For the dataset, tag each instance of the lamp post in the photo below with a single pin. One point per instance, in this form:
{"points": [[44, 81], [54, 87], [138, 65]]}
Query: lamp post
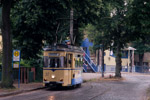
{"points": [[130, 58]]}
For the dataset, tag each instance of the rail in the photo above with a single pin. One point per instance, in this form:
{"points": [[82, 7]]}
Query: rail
{"points": [[89, 61]]}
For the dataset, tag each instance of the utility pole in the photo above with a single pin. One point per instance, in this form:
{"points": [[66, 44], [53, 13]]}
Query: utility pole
{"points": [[71, 27], [102, 59], [98, 58]]}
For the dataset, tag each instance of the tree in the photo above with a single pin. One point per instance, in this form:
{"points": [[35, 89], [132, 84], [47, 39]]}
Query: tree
{"points": [[99, 40], [34, 21], [112, 28], [142, 46], [0, 17], [37, 21], [7, 81], [139, 22]]}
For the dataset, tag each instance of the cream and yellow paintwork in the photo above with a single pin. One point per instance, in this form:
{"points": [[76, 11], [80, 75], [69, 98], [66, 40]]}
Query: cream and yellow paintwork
{"points": [[60, 75], [65, 74], [109, 60]]}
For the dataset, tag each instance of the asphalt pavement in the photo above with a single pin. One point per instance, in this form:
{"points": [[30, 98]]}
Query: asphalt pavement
{"points": [[133, 86], [138, 83], [36, 86]]}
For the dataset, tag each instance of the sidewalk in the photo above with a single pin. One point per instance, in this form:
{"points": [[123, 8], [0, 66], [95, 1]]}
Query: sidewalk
{"points": [[35, 86], [23, 88]]}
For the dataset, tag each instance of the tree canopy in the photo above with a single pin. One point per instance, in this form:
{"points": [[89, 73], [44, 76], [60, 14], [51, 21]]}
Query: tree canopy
{"points": [[36, 22], [139, 22], [113, 30], [0, 18]]}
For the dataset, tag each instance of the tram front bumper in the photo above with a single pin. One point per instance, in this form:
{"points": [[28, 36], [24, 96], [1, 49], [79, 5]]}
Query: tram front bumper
{"points": [[48, 83]]}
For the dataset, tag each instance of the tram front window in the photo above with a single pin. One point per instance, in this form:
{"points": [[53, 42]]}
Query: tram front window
{"points": [[56, 62]]}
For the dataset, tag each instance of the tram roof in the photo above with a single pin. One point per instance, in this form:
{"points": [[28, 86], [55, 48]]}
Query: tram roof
{"points": [[63, 47]]}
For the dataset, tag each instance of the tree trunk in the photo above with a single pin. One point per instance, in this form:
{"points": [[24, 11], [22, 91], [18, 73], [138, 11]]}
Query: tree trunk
{"points": [[103, 60], [7, 81], [118, 61], [141, 56]]}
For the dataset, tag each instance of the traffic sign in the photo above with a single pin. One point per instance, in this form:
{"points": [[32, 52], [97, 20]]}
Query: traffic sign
{"points": [[16, 63], [16, 55]]}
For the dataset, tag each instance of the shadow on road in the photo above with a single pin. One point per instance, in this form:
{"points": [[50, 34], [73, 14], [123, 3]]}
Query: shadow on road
{"points": [[60, 88]]}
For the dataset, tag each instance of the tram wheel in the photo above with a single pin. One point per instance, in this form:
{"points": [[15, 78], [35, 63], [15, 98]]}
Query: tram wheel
{"points": [[79, 85]]}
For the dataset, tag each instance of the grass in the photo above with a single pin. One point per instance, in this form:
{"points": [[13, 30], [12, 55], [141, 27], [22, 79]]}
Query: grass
{"points": [[8, 89], [105, 79], [3, 89], [148, 94]]}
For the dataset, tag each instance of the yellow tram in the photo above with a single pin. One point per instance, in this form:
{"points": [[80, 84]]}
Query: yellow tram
{"points": [[62, 65]]}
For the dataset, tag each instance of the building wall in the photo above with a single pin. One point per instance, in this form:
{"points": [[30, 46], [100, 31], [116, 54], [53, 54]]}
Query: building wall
{"points": [[146, 59], [110, 60]]}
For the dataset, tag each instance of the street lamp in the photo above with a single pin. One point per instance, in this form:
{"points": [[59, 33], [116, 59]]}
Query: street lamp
{"points": [[130, 58]]}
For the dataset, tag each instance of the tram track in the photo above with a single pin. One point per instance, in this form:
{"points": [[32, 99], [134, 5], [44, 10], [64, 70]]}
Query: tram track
{"points": [[95, 86], [87, 89], [87, 92], [100, 94]]}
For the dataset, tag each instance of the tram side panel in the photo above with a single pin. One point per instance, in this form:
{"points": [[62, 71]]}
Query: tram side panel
{"points": [[77, 70], [76, 77]]}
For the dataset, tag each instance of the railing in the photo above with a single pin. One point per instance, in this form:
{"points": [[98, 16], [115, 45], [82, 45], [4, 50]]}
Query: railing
{"points": [[89, 62], [84, 67]]}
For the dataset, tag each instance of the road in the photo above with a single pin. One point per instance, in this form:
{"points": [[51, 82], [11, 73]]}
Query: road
{"points": [[134, 87]]}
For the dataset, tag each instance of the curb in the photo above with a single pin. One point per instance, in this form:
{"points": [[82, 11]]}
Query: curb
{"points": [[30, 90], [20, 92], [25, 91]]}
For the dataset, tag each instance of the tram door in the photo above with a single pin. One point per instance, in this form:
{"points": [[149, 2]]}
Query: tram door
{"points": [[69, 65]]}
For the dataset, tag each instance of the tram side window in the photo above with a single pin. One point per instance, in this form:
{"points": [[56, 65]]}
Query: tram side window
{"points": [[62, 61], [81, 63], [45, 61], [69, 60], [78, 62]]}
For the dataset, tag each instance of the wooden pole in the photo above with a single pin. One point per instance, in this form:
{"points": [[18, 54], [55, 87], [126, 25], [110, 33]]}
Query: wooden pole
{"points": [[71, 26]]}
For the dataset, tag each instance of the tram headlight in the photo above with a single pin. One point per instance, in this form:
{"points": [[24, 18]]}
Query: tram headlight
{"points": [[53, 76]]}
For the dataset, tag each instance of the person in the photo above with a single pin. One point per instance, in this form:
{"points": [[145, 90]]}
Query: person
{"points": [[55, 64]]}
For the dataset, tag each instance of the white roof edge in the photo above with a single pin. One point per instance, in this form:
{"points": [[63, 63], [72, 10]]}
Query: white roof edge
{"points": [[129, 48]]}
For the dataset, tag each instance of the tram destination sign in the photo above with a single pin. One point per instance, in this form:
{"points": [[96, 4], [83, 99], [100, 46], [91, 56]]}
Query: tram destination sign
{"points": [[53, 54], [16, 55]]}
